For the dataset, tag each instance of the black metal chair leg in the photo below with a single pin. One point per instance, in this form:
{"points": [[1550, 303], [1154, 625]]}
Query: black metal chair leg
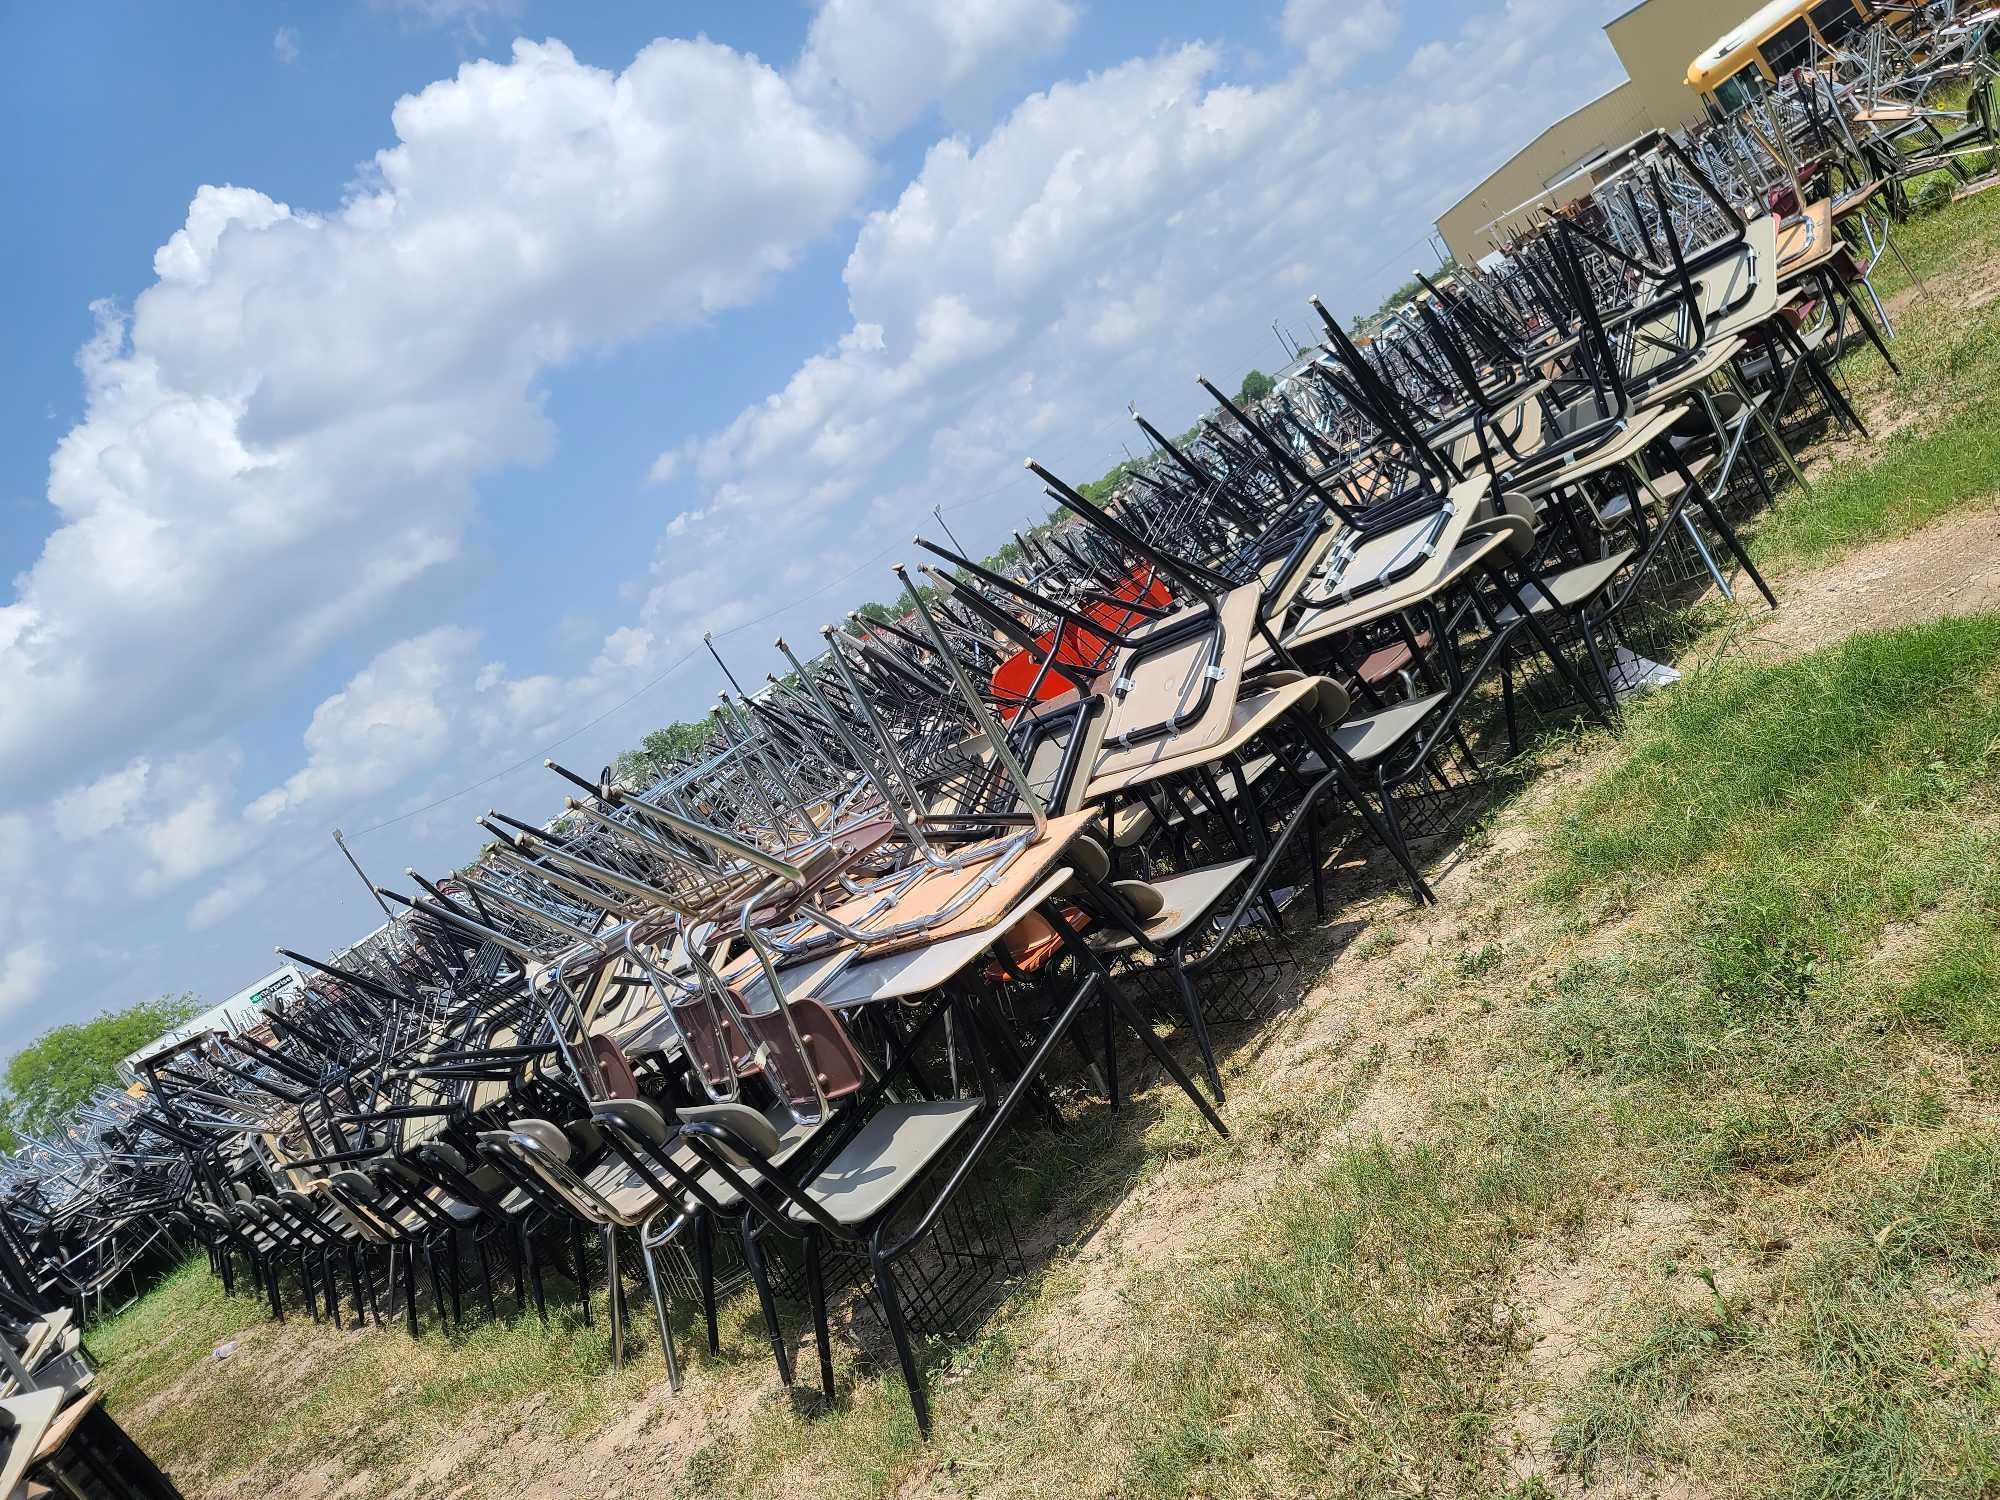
{"points": [[485, 1273], [1197, 1023], [892, 1309], [452, 1263], [1110, 1059], [437, 1282], [409, 1250], [1589, 634], [1735, 546], [1161, 1055], [354, 1253], [536, 1282], [1867, 325], [816, 1290], [753, 1255], [330, 1282], [1819, 377], [704, 1259]]}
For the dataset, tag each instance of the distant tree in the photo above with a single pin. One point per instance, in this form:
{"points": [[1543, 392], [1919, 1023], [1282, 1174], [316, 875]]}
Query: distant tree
{"points": [[1411, 290], [1099, 491], [60, 1069], [879, 614], [1256, 386], [660, 750]]}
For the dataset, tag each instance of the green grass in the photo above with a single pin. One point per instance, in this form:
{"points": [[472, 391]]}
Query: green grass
{"points": [[1322, 1345], [1765, 825], [1956, 987], [1761, 766], [1774, 821], [1352, 1340], [1922, 476], [301, 1395], [1620, 1413], [1848, 1380]]}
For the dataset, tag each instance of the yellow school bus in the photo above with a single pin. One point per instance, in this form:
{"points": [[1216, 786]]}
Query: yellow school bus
{"points": [[1769, 44]]}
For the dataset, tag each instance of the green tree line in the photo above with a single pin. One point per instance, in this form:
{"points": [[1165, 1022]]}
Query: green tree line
{"points": [[62, 1067]]}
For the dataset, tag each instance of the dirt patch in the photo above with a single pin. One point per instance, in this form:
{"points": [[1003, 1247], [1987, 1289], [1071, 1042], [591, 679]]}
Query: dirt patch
{"points": [[1979, 1322], [1947, 292], [1949, 568], [1886, 414], [1572, 1307], [1978, 287]]}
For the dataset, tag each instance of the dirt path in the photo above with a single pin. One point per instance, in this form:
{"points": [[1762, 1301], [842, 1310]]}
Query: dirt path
{"points": [[1949, 568]]}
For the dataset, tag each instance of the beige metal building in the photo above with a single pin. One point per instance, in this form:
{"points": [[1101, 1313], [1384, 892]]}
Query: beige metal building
{"points": [[1655, 40]]}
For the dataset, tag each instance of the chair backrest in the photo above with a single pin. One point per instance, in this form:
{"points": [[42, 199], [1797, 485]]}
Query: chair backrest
{"points": [[614, 1069], [359, 1198], [1518, 530], [797, 1046], [541, 1148], [709, 1038], [449, 1169], [742, 1122], [815, 1044], [638, 1119]]}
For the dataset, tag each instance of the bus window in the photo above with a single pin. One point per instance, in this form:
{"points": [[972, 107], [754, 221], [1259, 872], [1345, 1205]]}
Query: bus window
{"points": [[1737, 90], [1834, 19], [1789, 48]]}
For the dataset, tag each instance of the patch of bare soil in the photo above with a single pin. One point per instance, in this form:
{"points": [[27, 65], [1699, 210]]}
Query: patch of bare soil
{"points": [[1572, 1305], [1978, 287], [1979, 1323], [1949, 568], [1886, 414]]}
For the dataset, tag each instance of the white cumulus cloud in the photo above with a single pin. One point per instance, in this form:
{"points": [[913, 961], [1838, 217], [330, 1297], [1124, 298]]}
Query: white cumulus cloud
{"points": [[23, 972], [1335, 35], [283, 434], [1110, 238], [887, 61], [386, 722]]}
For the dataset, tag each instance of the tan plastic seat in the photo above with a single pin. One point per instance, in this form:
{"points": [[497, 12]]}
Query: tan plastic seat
{"points": [[1572, 587], [1366, 739], [895, 1146], [1131, 824], [1183, 900]]}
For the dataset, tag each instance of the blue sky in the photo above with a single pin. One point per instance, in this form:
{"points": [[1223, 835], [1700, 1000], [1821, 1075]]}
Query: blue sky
{"points": [[398, 389]]}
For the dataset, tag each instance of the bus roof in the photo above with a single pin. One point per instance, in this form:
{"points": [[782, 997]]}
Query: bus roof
{"points": [[1733, 48]]}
